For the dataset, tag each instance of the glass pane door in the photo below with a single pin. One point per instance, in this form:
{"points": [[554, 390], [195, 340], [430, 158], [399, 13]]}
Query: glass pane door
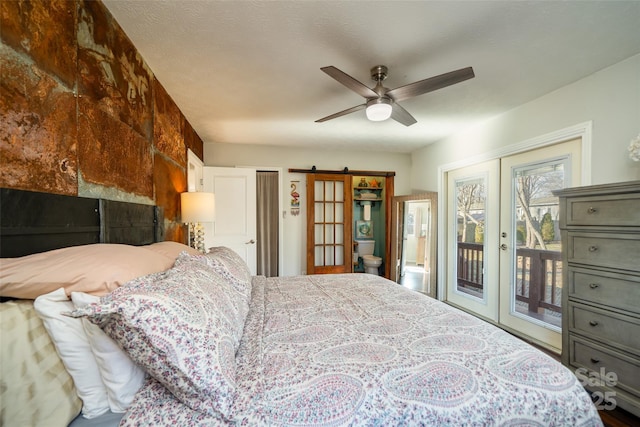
{"points": [[503, 241], [472, 271], [471, 198], [538, 262], [530, 255], [328, 224]]}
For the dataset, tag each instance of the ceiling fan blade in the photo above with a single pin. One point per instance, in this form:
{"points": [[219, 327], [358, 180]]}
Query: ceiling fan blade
{"points": [[350, 82], [429, 85], [401, 115], [343, 113]]}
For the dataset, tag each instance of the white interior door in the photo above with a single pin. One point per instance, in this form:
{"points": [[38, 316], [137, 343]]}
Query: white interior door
{"points": [[235, 221], [195, 171]]}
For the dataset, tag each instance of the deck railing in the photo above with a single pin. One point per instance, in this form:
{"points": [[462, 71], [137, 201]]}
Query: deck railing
{"points": [[470, 265], [538, 275], [539, 279]]}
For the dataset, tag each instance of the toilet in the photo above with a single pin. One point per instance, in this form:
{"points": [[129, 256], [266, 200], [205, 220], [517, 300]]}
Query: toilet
{"points": [[370, 261]]}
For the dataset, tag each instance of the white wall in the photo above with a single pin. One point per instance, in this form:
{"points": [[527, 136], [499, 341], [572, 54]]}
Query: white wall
{"points": [[610, 99], [294, 247]]}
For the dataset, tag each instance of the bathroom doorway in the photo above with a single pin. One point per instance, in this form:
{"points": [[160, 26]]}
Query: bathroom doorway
{"points": [[414, 242]]}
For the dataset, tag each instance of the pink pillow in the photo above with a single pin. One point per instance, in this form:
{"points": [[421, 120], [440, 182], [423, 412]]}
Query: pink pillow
{"points": [[95, 269], [171, 249]]}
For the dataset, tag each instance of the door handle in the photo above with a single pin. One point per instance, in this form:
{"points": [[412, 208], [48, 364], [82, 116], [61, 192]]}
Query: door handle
{"points": [[250, 242], [503, 246]]}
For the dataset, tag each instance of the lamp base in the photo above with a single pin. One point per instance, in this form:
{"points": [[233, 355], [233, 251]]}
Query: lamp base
{"points": [[196, 236]]}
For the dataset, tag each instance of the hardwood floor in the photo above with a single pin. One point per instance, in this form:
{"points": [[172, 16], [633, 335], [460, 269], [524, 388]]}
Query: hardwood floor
{"points": [[619, 418]]}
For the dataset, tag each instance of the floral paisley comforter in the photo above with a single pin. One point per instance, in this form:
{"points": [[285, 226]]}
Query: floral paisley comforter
{"points": [[356, 349]]}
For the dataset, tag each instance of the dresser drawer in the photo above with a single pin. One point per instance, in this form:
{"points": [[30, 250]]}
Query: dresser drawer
{"points": [[614, 290], [615, 210], [597, 359], [608, 327], [604, 250]]}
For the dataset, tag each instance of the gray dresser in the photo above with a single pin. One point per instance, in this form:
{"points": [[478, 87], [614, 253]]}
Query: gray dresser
{"points": [[601, 294]]}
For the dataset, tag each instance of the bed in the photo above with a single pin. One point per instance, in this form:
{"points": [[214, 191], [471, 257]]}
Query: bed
{"points": [[204, 343]]}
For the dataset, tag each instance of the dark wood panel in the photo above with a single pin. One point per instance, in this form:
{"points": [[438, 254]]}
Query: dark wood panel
{"points": [[130, 223], [32, 222]]}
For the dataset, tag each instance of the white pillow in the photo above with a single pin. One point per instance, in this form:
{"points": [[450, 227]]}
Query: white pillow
{"points": [[120, 375], [72, 345]]}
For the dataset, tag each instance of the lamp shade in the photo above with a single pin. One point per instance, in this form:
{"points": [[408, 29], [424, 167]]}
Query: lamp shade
{"points": [[198, 207], [379, 109]]}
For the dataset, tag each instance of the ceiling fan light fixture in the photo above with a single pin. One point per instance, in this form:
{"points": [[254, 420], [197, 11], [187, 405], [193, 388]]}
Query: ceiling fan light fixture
{"points": [[379, 109]]}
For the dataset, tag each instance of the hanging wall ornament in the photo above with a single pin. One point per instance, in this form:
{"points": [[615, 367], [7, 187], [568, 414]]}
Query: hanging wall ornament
{"points": [[295, 199]]}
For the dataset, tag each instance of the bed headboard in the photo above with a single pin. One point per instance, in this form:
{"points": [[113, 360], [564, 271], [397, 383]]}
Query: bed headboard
{"points": [[32, 222]]}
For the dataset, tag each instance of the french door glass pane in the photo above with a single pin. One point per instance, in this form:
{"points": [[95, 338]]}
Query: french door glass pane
{"points": [[470, 225], [340, 234], [339, 212], [339, 194], [319, 212], [329, 193], [329, 209], [329, 219], [537, 268], [318, 188], [339, 253], [329, 234], [318, 256], [329, 258]]}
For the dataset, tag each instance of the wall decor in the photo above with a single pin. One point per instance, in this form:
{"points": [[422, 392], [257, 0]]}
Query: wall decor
{"points": [[295, 199], [364, 229]]}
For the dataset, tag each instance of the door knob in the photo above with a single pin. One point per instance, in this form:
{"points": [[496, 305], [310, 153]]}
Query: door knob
{"points": [[250, 242], [503, 246]]}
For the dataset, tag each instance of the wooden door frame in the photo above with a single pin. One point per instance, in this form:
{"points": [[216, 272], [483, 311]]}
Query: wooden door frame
{"points": [[395, 239], [389, 194]]}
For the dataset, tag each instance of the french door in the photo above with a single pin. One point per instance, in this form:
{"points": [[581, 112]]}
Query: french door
{"points": [[472, 274], [329, 223], [504, 242]]}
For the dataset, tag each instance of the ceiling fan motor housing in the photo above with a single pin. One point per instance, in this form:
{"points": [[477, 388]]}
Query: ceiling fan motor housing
{"points": [[379, 73]]}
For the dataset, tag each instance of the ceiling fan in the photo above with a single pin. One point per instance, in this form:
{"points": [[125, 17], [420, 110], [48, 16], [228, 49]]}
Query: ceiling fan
{"points": [[381, 102]]}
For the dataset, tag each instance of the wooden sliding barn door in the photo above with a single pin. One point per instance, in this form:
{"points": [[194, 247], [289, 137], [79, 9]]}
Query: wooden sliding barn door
{"points": [[329, 224]]}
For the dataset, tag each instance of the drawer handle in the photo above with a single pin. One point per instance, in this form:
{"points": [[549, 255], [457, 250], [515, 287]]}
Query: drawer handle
{"points": [[595, 360], [593, 248], [592, 210], [593, 323], [593, 285]]}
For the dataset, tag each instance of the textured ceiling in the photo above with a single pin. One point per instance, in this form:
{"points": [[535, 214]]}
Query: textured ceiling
{"points": [[249, 71]]}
